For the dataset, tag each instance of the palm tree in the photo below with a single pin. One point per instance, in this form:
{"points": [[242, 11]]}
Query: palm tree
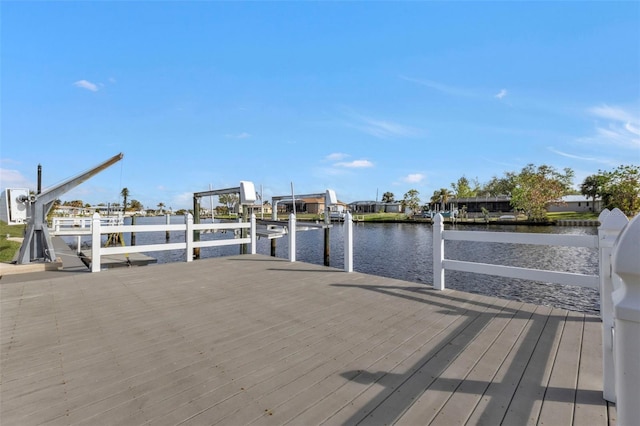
{"points": [[388, 197], [441, 196], [125, 195], [136, 205], [160, 207], [593, 186]]}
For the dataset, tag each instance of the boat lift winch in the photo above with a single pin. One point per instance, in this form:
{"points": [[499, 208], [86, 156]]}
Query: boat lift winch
{"points": [[37, 244]]}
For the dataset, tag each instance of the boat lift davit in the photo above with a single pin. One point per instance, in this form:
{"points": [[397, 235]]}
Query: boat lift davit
{"points": [[37, 244]]}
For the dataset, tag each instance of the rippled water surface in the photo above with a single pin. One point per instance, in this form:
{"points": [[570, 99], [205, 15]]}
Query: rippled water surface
{"points": [[404, 251]]}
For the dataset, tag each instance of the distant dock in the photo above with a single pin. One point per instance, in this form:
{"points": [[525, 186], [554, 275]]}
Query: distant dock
{"points": [[119, 260]]}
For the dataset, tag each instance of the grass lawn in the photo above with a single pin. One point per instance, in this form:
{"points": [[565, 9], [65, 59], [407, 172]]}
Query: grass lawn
{"points": [[572, 216], [391, 217], [8, 249]]}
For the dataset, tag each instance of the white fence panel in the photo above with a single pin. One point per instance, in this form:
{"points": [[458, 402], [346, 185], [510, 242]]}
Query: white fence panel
{"points": [[140, 249], [220, 243], [567, 240], [188, 245], [565, 278]]}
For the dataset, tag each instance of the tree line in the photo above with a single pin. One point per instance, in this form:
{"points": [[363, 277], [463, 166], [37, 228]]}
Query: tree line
{"points": [[533, 188], [530, 190]]}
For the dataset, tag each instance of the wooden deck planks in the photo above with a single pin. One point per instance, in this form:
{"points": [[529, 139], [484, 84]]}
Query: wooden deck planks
{"points": [[258, 340]]}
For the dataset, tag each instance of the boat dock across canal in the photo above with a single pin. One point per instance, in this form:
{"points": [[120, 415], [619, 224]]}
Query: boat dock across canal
{"points": [[253, 339]]}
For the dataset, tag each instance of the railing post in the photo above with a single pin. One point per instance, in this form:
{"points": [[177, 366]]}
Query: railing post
{"points": [[611, 223], [254, 240], [348, 243], [188, 236], [95, 243], [626, 305], [438, 252], [83, 225], [292, 237]]}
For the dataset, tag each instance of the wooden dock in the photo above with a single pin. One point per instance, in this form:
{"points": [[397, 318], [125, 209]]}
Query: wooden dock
{"points": [[258, 340]]}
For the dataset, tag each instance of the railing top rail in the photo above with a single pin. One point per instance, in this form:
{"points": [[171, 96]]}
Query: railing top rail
{"points": [[568, 240]]}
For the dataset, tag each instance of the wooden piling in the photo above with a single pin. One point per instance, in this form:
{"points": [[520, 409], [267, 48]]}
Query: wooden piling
{"points": [[327, 243], [196, 219], [133, 234]]}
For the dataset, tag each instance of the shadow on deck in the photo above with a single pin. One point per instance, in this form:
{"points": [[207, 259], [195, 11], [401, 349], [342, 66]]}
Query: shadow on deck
{"points": [[254, 339]]}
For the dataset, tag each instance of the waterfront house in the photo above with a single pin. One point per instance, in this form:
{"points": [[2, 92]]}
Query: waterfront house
{"points": [[502, 204], [374, 207], [499, 204], [311, 205], [576, 203]]}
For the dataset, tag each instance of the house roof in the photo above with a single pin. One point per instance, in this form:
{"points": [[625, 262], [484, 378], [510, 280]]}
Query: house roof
{"points": [[577, 199]]}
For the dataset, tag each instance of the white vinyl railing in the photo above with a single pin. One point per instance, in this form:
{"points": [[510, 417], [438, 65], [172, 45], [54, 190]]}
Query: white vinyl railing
{"points": [[97, 230], [440, 263], [64, 226], [348, 240], [618, 244]]}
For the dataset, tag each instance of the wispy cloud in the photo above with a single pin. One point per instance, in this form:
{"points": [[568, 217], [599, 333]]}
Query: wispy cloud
{"points": [[581, 157], [441, 87], [84, 84], [414, 178], [613, 113], [336, 156], [356, 164], [243, 135], [181, 199], [382, 129], [13, 179], [501, 94], [632, 129], [621, 127]]}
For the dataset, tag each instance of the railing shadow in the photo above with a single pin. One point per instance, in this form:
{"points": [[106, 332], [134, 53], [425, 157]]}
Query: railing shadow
{"points": [[401, 390]]}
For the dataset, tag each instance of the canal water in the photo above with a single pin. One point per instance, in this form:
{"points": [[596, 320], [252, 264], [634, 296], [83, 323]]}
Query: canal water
{"points": [[404, 251]]}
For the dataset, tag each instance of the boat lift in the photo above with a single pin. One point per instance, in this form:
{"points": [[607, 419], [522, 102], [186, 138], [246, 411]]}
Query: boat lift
{"points": [[37, 244], [247, 191], [276, 229]]}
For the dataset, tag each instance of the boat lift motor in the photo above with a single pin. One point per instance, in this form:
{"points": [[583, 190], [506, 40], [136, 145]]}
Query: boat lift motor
{"points": [[37, 244]]}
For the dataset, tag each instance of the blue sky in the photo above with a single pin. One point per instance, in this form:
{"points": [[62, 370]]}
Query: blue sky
{"points": [[359, 97]]}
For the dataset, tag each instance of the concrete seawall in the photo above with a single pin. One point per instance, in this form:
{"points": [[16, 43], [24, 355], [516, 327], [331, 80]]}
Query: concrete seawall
{"points": [[577, 222]]}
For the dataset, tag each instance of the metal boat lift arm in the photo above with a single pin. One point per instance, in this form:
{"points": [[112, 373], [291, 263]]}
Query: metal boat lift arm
{"points": [[37, 242]]}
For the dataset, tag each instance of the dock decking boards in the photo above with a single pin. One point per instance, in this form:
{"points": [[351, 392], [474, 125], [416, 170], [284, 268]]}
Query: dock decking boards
{"points": [[258, 340]]}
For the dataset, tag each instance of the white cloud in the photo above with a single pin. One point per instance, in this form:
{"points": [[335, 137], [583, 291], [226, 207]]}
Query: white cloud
{"points": [[621, 128], [13, 179], [112, 80], [84, 84], [336, 156], [356, 164], [243, 135], [183, 199], [632, 129], [613, 113], [414, 178], [501, 94]]}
